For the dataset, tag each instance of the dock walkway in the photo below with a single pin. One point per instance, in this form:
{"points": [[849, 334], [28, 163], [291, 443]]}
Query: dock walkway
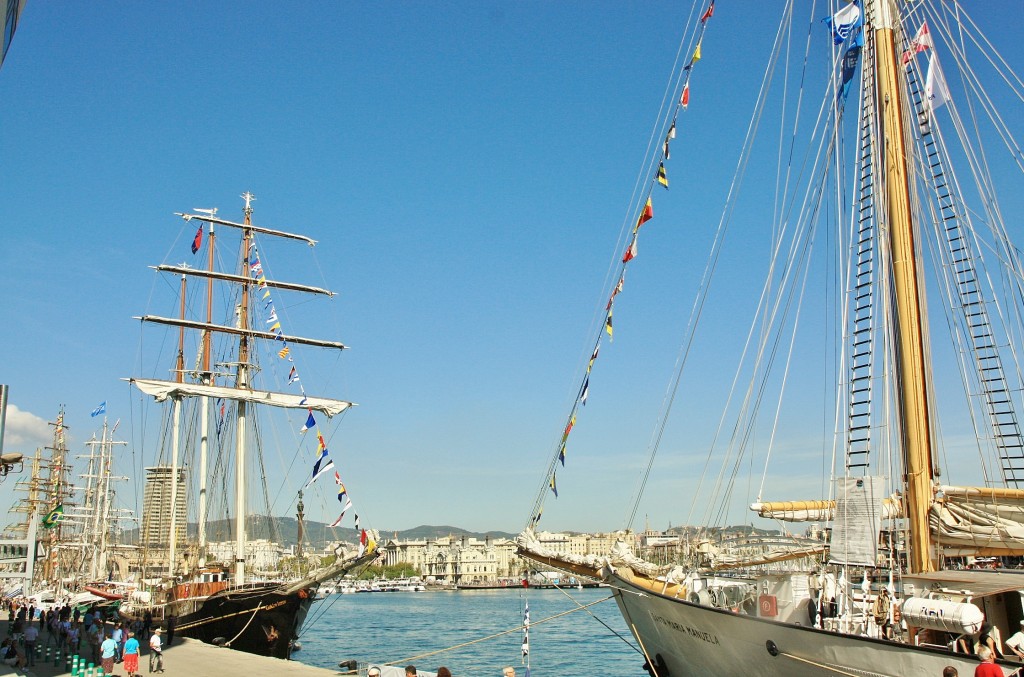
{"points": [[188, 657]]}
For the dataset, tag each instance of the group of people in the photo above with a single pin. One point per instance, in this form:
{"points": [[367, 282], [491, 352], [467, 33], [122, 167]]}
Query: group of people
{"points": [[104, 642]]}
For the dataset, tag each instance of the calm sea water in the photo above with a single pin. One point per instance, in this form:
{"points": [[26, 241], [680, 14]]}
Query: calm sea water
{"points": [[401, 627]]}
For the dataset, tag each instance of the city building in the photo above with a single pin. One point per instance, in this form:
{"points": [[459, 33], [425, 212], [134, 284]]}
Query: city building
{"points": [[156, 508], [261, 555], [464, 560], [457, 560]]}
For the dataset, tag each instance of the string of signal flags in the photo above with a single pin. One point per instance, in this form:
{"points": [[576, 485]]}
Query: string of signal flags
{"points": [[659, 178]]}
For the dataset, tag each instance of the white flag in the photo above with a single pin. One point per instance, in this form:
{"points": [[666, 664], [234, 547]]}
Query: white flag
{"points": [[935, 89]]}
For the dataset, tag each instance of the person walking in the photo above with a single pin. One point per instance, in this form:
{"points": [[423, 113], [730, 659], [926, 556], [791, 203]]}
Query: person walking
{"points": [[172, 622], [119, 638], [31, 635], [94, 635], [131, 655], [74, 638], [156, 652], [108, 650]]}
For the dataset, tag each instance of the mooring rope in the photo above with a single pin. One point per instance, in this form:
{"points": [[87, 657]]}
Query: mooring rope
{"points": [[610, 628], [247, 624]]}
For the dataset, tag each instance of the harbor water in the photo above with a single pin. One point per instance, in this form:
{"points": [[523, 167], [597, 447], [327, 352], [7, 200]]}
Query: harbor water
{"points": [[409, 627]]}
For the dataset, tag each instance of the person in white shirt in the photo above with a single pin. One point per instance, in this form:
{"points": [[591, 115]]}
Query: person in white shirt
{"points": [[156, 652], [1016, 642]]}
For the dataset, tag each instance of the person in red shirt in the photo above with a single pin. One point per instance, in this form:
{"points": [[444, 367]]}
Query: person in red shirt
{"points": [[988, 667]]}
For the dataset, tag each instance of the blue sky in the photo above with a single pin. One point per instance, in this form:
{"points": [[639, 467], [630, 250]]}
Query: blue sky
{"points": [[467, 170]]}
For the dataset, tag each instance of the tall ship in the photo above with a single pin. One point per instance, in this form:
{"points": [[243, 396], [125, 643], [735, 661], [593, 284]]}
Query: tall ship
{"points": [[212, 456], [875, 395]]}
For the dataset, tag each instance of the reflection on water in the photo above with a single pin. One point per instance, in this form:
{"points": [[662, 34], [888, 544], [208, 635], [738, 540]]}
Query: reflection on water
{"points": [[406, 627]]}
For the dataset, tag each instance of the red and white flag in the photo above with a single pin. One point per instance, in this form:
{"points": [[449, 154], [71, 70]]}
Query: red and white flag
{"points": [[922, 41]]}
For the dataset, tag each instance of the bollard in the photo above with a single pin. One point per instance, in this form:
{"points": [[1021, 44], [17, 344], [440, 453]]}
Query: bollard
{"points": [[67, 661], [47, 653], [56, 658]]}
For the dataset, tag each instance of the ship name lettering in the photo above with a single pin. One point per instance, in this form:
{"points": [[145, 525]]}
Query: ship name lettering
{"points": [[702, 635], [274, 605]]}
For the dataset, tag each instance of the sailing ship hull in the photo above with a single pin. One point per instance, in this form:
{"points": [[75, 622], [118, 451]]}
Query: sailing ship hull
{"points": [[261, 620], [683, 638]]}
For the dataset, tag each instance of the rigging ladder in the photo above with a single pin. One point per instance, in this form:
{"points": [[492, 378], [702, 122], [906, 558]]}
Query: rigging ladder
{"points": [[975, 324]]}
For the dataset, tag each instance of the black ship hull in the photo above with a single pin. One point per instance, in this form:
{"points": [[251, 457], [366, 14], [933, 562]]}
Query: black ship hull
{"points": [[262, 619]]}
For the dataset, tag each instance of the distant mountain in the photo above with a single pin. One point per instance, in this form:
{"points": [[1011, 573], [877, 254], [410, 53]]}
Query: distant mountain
{"points": [[285, 530]]}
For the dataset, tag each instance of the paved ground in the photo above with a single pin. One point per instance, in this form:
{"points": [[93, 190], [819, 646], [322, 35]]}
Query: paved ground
{"points": [[192, 658]]}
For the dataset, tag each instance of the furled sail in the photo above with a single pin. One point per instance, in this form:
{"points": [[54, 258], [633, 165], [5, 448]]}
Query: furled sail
{"points": [[160, 390], [816, 511], [979, 520]]}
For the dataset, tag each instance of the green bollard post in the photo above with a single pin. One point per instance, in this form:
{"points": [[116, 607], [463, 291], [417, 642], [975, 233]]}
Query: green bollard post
{"points": [[56, 658], [67, 661], [47, 653]]}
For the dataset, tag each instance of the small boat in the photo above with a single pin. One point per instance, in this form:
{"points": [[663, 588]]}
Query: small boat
{"points": [[104, 591]]}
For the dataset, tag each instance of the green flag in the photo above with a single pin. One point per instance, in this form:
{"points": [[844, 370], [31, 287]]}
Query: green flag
{"points": [[54, 516]]}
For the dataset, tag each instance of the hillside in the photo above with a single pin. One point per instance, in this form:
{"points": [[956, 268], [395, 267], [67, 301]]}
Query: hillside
{"points": [[285, 530]]}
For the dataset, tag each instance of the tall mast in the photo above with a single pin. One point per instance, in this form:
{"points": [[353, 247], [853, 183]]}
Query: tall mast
{"points": [[179, 376], [912, 384], [57, 489], [92, 503], [207, 378], [242, 382]]}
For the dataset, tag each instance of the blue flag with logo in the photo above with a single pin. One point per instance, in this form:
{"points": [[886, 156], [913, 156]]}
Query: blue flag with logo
{"points": [[844, 22]]}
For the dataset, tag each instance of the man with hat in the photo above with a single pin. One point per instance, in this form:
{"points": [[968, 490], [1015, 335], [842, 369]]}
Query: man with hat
{"points": [[156, 652], [1016, 642]]}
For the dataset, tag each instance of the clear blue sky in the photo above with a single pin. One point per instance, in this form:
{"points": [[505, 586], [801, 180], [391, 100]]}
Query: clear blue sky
{"points": [[466, 169]]}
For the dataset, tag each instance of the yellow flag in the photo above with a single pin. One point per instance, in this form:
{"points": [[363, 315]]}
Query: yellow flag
{"points": [[696, 54]]}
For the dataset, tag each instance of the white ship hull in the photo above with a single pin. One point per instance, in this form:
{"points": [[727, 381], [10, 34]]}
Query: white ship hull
{"points": [[691, 639]]}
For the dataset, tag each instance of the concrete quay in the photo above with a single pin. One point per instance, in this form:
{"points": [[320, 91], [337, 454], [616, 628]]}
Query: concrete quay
{"points": [[187, 658]]}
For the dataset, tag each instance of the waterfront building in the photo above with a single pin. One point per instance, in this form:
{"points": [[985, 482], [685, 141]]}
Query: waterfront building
{"points": [[585, 544], [457, 560], [464, 560], [260, 554]]}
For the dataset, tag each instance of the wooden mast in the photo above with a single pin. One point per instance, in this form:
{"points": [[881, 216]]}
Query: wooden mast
{"points": [[911, 358]]}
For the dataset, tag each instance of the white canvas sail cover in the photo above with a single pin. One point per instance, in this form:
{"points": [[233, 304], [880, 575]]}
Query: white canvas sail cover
{"points": [[978, 519], [817, 511], [859, 508], [160, 390]]}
